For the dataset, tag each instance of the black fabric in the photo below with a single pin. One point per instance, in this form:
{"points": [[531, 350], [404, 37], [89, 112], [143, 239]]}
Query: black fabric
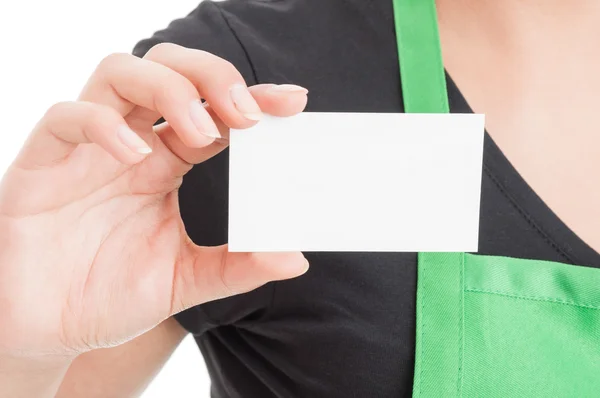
{"points": [[346, 328]]}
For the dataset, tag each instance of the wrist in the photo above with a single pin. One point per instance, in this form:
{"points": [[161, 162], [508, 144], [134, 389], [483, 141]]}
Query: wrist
{"points": [[32, 377]]}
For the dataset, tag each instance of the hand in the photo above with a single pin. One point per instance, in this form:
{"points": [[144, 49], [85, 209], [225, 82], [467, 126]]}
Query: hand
{"points": [[93, 251]]}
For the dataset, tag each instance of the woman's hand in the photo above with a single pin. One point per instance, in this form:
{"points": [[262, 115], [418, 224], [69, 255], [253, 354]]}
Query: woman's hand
{"points": [[93, 251]]}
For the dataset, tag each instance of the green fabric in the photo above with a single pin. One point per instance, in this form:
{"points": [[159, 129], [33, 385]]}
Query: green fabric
{"points": [[492, 326], [439, 294], [504, 327], [421, 68]]}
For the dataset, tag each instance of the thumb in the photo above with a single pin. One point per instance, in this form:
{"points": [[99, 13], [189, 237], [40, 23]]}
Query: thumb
{"points": [[211, 273]]}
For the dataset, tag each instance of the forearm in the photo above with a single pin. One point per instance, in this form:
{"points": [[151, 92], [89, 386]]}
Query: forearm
{"points": [[26, 377]]}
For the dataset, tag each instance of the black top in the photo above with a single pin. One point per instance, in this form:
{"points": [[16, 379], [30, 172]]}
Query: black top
{"points": [[346, 328]]}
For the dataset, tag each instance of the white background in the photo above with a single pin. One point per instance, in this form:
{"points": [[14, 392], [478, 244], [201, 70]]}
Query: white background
{"points": [[49, 48]]}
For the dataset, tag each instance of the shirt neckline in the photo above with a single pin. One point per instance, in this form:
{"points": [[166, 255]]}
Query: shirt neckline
{"points": [[574, 249]]}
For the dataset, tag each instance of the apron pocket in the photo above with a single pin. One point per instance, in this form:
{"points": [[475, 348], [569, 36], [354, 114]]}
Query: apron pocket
{"points": [[503, 327]]}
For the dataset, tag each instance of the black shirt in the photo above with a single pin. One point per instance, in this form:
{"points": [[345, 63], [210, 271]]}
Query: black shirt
{"points": [[346, 328]]}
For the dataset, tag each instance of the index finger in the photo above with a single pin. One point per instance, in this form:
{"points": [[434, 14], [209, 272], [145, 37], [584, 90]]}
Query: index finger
{"points": [[276, 100]]}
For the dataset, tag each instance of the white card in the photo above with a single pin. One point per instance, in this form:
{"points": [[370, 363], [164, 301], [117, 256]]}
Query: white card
{"points": [[356, 182]]}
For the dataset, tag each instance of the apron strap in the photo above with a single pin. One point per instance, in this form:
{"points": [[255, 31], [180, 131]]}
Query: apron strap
{"points": [[424, 91], [421, 68]]}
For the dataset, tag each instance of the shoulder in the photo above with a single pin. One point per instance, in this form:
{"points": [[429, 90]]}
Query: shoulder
{"points": [[253, 34], [224, 28], [205, 28]]}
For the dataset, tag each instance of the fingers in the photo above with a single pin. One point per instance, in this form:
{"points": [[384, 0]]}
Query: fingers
{"points": [[217, 81], [169, 82], [224, 89], [123, 82], [277, 100], [280, 100], [215, 273], [67, 124]]}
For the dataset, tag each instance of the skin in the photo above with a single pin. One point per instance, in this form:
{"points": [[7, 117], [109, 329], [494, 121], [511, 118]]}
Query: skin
{"points": [[533, 70], [547, 130], [93, 251]]}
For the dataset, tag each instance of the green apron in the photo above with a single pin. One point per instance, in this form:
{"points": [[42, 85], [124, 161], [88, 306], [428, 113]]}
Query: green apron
{"points": [[492, 326]]}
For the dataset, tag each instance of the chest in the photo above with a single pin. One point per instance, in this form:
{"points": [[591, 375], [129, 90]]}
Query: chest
{"points": [[541, 107], [542, 120], [558, 154]]}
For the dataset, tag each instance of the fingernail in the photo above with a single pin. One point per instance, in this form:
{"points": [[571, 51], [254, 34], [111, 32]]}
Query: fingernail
{"points": [[244, 102], [133, 141], [304, 269], [289, 88], [202, 120]]}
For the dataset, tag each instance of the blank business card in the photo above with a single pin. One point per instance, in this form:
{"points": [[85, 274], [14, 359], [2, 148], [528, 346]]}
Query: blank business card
{"points": [[356, 182]]}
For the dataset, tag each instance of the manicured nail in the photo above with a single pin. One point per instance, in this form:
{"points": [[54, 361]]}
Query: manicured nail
{"points": [[133, 141], [202, 120], [244, 102], [289, 88]]}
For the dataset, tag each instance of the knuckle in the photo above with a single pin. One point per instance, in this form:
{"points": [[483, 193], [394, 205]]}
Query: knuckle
{"points": [[56, 109], [172, 90], [221, 64], [205, 57], [158, 50], [228, 66], [162, 96], [107, 63], [223, 78], [91, 117], [224, 68], [96, 116], [220, 69]]}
